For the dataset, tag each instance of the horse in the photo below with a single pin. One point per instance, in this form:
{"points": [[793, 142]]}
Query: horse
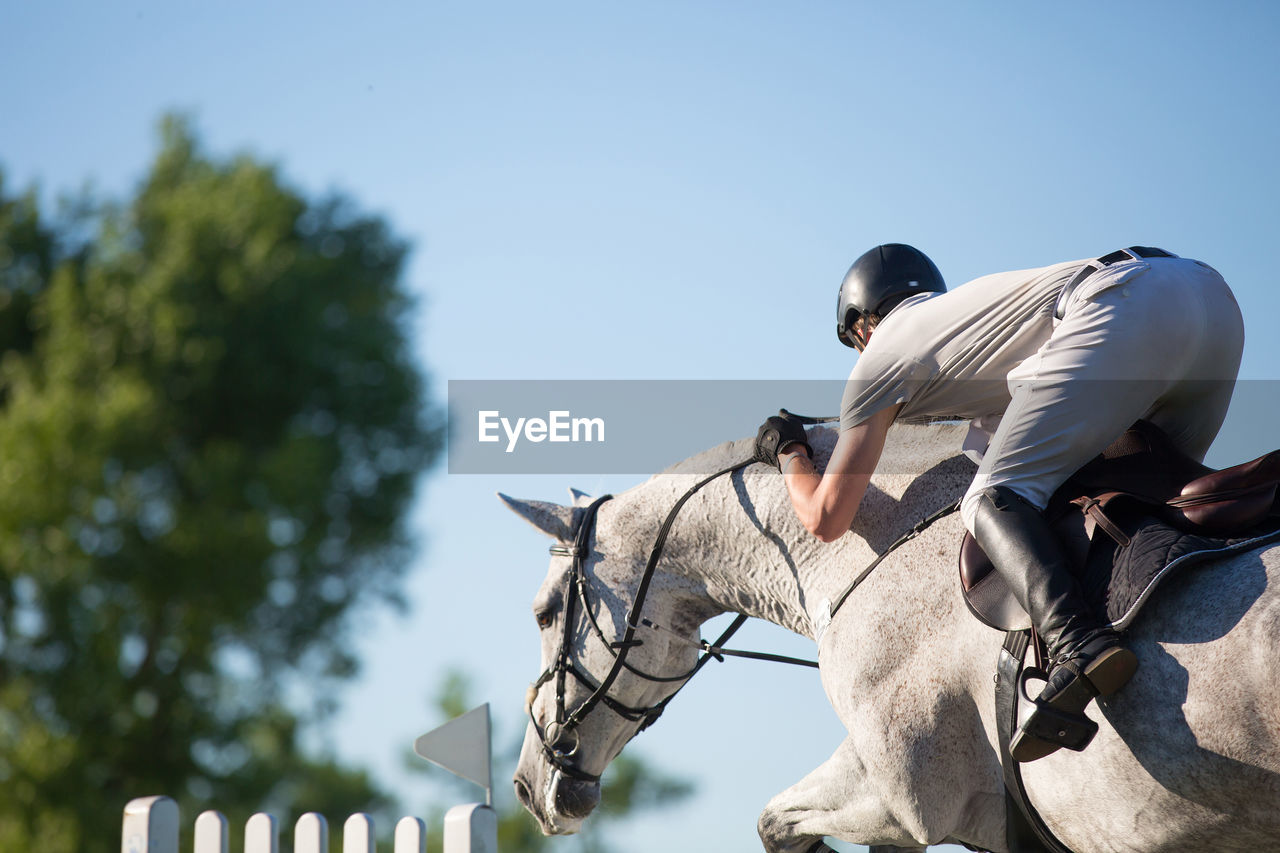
{"points": [[1187, 756]]}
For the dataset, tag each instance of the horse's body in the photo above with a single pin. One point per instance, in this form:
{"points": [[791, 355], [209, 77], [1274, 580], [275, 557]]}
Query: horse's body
{"points": [[1188, 755]]}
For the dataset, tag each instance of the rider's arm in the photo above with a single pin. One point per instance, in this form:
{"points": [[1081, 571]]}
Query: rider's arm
{"points": [[827, 503]]}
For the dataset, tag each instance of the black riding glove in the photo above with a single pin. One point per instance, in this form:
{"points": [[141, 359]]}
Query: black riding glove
{"points": [[776, 434]]}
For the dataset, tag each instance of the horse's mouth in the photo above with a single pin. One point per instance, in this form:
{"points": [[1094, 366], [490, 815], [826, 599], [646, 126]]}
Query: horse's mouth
{"points": [[562, 805]]}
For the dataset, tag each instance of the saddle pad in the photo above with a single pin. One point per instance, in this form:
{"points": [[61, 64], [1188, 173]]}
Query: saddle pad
{"points": [[1119, 580]]}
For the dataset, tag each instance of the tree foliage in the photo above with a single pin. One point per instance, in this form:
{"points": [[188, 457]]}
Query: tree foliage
{"points": [[210, 428]]}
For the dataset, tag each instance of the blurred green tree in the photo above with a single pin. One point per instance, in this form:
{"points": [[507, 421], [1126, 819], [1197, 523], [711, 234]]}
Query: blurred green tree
{"points": [[211, 426]]}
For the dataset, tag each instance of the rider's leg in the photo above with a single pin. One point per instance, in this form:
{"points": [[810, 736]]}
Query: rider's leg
{"points": [[1088, 658], [1108, 363]]}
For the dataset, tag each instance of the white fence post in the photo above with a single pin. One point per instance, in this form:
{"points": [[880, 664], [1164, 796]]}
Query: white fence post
{"points": [[211, 832], [472, 828], [411, 836], [150, 826], [261, 834], [311, 834], [357, 834]]}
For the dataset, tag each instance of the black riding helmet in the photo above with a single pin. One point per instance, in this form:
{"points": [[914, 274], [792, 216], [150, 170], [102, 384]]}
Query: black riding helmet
{"points": [[877, 282]]}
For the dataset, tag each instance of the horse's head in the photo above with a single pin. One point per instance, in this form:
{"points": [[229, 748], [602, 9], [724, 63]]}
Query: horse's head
{"points": [[594, 693]]}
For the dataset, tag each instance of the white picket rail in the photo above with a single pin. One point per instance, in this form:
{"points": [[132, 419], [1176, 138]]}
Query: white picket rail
{"points": [[151, 826]]}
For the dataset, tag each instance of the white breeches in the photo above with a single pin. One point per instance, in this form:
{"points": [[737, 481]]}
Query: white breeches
{"points": [[1158, 339]]}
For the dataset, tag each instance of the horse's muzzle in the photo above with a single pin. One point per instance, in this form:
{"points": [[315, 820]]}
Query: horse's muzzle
{"points": [[561, 809], [576, 798]]}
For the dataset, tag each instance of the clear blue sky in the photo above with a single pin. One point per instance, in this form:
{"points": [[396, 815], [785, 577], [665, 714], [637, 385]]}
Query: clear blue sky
{"points": [[670, 190]]}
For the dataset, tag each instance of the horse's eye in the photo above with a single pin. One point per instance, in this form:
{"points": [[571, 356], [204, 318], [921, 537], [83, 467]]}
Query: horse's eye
{"points": [[545, 618]]}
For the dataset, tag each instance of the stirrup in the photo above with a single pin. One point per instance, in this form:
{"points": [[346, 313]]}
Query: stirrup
{"points": [[1047, 729]]}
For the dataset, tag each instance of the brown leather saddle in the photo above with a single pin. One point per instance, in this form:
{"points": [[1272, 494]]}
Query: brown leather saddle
{"points": [[1140, 472]]}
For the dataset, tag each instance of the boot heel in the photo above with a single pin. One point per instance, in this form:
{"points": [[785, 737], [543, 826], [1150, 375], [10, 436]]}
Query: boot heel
{"points": [[1111, 670]]}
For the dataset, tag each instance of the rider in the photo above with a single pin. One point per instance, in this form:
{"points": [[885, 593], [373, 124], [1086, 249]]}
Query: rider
{"points": [[1063, 358]]}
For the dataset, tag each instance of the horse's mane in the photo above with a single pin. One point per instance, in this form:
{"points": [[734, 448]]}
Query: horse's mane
{"points": [[905, 435], [920, 471]]}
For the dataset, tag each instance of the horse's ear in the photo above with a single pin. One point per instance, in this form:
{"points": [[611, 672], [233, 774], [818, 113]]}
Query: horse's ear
{"points": [[552, 519], [580, 498]]}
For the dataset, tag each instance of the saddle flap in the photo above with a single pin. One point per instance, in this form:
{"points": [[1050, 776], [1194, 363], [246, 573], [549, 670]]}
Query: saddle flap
{"points": [[985, 592]]}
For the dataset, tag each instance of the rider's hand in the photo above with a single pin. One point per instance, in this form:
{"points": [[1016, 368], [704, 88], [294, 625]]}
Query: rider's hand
{"points": [[776, 435]]}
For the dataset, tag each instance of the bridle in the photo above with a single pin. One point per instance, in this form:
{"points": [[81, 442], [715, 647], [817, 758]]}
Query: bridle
{"points": [[557, 736], [553, 738]]}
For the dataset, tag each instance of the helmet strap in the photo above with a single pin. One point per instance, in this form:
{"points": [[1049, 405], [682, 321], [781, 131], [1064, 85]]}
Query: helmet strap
{"points": [[860, 332]]}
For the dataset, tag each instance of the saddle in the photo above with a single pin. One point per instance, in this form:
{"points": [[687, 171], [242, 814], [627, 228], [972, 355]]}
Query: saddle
{"points": [[1154, 504]]}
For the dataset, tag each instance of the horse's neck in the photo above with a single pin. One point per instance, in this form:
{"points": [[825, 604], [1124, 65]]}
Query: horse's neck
{"points": [[746, 552], [740, 547]]}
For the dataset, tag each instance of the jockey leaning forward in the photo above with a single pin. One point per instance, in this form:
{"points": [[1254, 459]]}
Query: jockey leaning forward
{"points": [[1051, 365]]}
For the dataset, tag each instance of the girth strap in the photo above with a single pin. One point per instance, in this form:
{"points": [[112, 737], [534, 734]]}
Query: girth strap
{"points": [[1025, 831]]}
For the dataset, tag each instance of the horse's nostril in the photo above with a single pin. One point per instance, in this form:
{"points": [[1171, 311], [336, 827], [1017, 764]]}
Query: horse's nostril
{"points": [[522, 794]]}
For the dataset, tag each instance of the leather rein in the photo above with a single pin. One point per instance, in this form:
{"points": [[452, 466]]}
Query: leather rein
{"points": [[559, 739]]}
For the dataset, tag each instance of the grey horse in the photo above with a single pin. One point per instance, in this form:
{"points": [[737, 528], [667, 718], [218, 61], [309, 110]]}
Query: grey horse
{"points": [[1187, 756]]}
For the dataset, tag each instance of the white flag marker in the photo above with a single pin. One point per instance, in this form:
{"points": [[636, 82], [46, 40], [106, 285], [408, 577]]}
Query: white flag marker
{"points": [[461, 746]]}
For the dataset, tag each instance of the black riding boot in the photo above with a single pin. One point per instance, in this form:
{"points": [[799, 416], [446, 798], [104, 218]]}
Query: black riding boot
{"points": [[1086, 657]]}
